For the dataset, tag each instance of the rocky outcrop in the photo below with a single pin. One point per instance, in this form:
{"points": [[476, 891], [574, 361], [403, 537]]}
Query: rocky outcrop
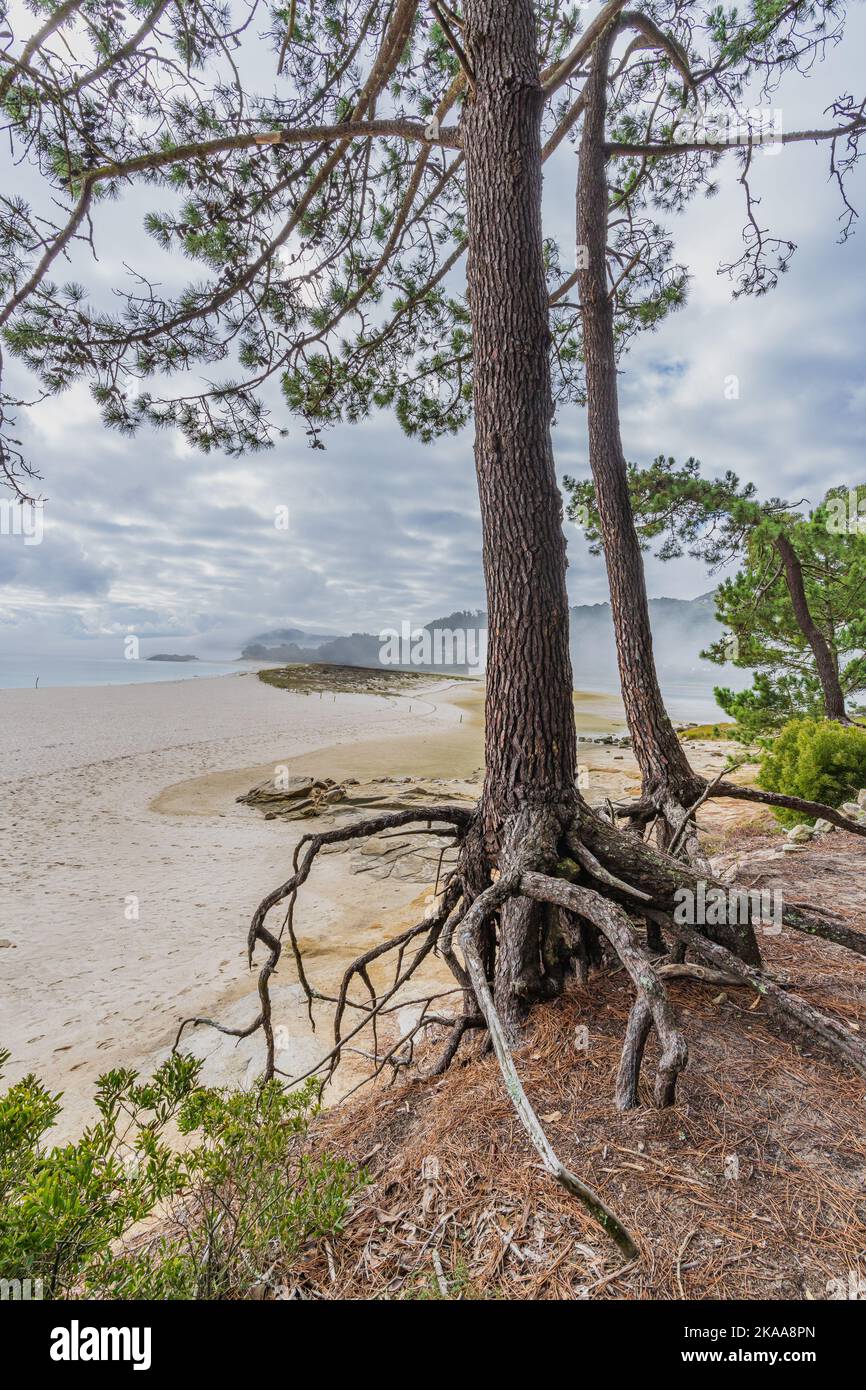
{"points": [[294, 798], [416, 857], [303, 798]]}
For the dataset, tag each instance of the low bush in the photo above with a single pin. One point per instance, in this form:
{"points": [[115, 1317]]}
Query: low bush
{"points": [[228, 1210], [817, 759]]}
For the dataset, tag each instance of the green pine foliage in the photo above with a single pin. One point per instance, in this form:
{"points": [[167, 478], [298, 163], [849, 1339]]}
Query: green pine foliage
{"points": [[335, 271], [817, 759], [720, 521]]}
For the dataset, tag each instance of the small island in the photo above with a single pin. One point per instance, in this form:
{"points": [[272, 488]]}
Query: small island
{"points": [[170, 656]]}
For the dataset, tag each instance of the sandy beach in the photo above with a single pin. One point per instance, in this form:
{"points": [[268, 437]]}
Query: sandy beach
{"points": [[130, 872]]}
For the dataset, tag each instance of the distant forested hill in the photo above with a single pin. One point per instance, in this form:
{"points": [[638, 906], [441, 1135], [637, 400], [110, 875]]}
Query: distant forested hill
{"points": [[681, 629]]}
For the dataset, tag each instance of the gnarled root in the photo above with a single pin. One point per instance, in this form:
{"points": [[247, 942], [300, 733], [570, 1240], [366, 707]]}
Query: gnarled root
{"points": [[668, 814], [800, 916], [457, 816], [613, 921], [510, 931], [640, 1022], [835, 1036], [812, 923], [470, 934]]}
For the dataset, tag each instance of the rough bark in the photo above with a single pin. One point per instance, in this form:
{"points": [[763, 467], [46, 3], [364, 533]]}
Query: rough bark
{"points": [[664, 767], [670, 788], [825, 662], [530, 738], [517, 981]]}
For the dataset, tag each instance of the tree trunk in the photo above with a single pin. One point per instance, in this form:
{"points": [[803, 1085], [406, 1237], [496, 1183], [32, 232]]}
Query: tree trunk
{"points": [[530, 748], [825, 662], [530, 737], [664, 767]]}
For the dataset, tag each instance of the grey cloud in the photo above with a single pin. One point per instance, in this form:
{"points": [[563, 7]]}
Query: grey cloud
{"points": [[56, 567]]}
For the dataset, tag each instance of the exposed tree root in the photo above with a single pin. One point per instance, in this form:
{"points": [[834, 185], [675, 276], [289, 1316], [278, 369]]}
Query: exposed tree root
{"points": [[817, 809], [678, 819], [797, 916], [814, 924], [667, 814], [612, 920], [640, 1022], [677, 970], [519, 926], [659, 875], [458, 816], [835, 1036], [462, 1025], [480, 912]]}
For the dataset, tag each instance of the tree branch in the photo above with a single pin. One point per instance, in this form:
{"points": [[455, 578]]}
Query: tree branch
{"points": [[660, 150], [556, 76], [303, 135], [654, 37]]}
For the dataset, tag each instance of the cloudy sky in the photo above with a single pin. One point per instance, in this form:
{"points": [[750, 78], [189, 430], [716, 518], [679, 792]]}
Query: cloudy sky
{"points": [[143, 535]]}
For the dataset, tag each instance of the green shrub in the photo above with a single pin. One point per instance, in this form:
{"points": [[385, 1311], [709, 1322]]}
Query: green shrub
{"points": [[817, 759], [231, 1208]]}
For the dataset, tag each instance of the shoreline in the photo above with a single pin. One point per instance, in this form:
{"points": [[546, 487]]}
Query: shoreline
{"points": [[153, 668], [133, 872]]}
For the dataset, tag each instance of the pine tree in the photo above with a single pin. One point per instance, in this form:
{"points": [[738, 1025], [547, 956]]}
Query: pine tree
{"points": [[399, 138]]}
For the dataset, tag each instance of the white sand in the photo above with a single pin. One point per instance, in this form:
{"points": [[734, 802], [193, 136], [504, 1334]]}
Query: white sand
{"points": [[82, 988]]}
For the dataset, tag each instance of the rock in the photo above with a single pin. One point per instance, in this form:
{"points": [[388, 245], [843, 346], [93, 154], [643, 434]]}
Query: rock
{"points": [[824, 827], [293, 798], [851, 808], [304, 798], [792, 847], [6, 944], [287, 789], [800, 834], [375, 846], [861, 798]]}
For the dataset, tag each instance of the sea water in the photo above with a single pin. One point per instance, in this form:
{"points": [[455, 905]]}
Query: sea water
{"points": [[23, 672]]}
